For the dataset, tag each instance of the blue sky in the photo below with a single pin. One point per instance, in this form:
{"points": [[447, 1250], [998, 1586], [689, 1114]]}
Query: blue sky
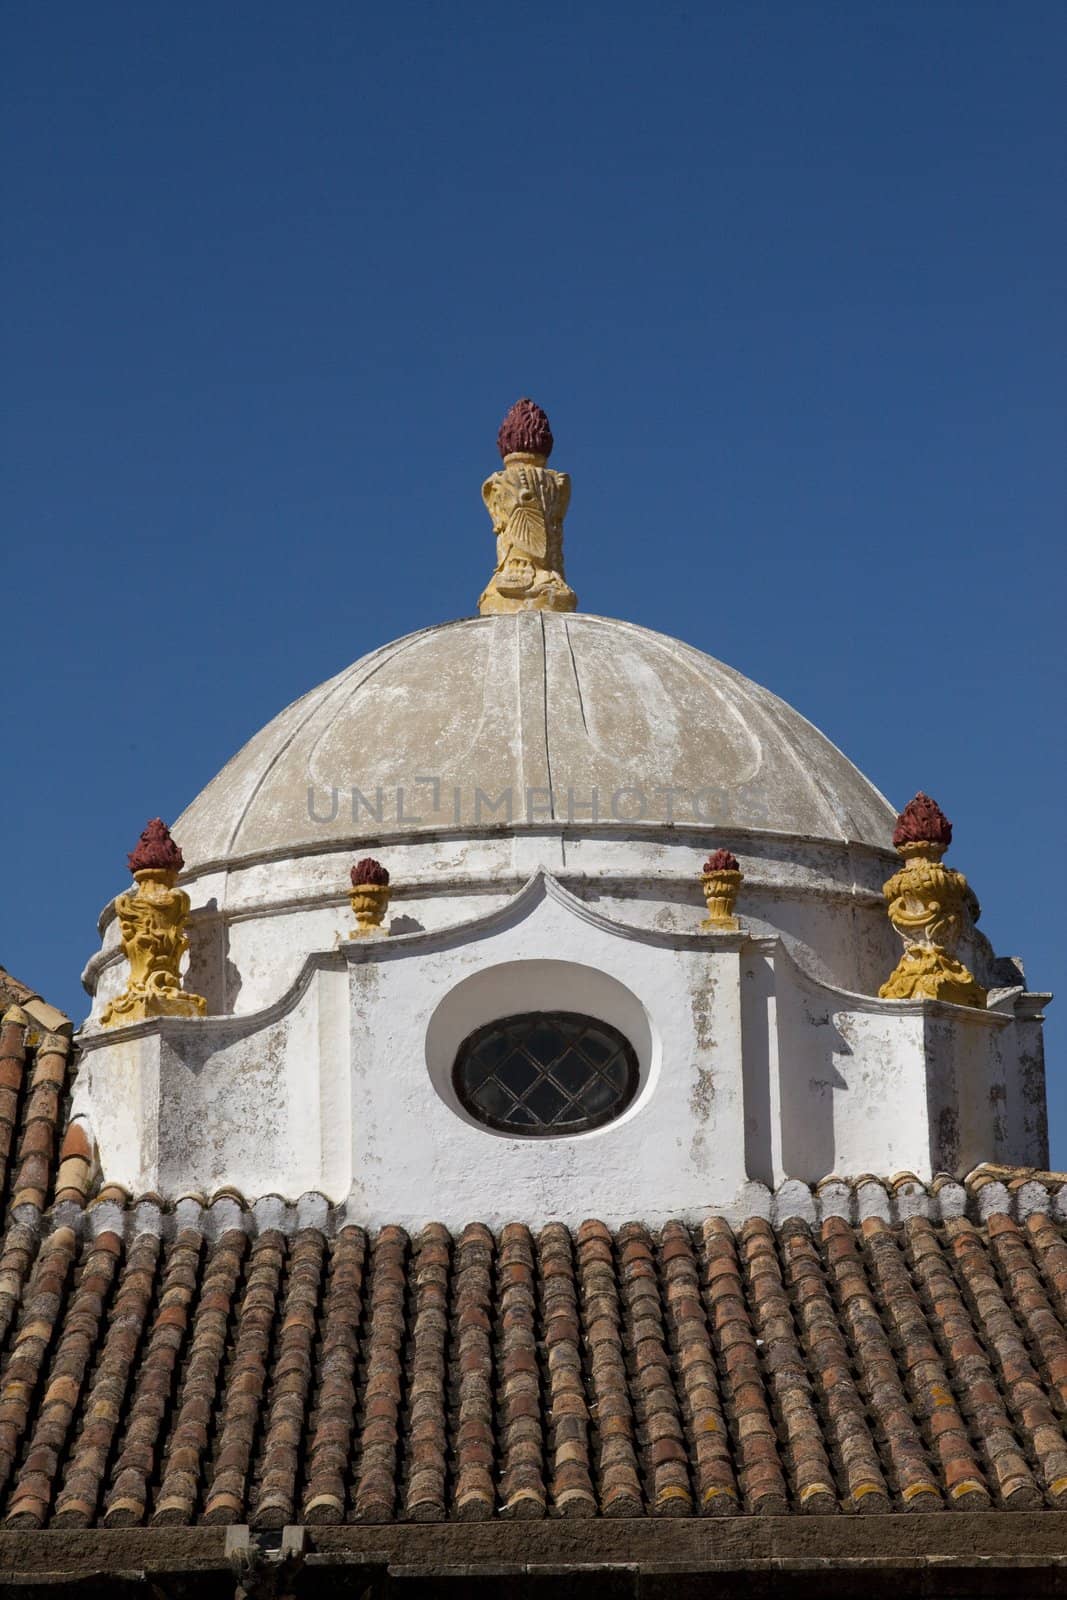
{"points": [[787, 277]]}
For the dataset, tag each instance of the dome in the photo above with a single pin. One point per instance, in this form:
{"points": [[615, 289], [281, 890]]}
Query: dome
{"points": [[535, 717], [538, 914]]}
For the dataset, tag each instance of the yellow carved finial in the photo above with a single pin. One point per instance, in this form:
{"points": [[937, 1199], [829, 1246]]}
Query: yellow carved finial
{"points": [[152, 922], [370, 896], [527, 502], [721, 879], [926, 906]]}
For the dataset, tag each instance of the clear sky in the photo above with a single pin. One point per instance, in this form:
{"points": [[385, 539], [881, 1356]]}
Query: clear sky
{"points": [[788, 277]]}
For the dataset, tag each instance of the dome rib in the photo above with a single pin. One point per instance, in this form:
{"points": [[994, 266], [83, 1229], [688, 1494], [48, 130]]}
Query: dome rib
{"points": [[572, 703]]}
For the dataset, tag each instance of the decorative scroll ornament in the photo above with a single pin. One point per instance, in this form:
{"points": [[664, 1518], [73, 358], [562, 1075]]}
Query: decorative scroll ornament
{"points": [[926, 906], [370, 896], [152, 923], [721, 879], [527, 503]]}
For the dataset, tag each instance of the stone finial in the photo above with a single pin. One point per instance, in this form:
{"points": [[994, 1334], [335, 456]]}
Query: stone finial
{"points": [[926, 903], [369, 897], [922, 822], [368, 871], [155, 850], [527, 502], [152, 923], [721, 861], [525, 430], [721, 879]]}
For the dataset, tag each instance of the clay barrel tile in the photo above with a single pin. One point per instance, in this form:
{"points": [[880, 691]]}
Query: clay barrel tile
{"points": [[1007, 1307], [760, 1476], [276, 1496], [944, 1429], [907, 1465], [427, 1443], [617, 1476], [471, 1369], [567, 1410], [181, 1485], [33, 1168], [78, 1500], [695, 1374], [12, 1071], [660, 1435], [38, 1329], [335, 1393], [375, 1492], [247, 1380], [64, 1380], [76, 1158], [791, 1390], [853, 1449], [522, 1486], [140, 1450]]}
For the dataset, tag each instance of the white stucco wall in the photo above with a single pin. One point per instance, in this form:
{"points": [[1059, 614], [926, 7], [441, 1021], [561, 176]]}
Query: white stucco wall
{"points": [[752, 1069], [254, 924]]}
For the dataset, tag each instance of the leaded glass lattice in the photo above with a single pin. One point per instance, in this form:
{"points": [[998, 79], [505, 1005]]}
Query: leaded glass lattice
{"points": [[545, 1073]]}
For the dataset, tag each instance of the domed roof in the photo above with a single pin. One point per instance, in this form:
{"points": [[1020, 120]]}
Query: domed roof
{"points": [[530, 713]]}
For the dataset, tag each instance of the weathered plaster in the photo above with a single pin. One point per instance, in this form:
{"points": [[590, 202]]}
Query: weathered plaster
{"points": [[751, 1069]]}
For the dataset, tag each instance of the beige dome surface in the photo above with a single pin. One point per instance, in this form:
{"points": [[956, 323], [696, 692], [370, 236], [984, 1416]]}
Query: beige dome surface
{"points": [[542, 709]]}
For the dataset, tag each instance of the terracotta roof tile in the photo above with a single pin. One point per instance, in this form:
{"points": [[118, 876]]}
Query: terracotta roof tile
{"points": [[197, 1402], [925, 1378], [1009, 1335], [659, 1423], [611, 1411], [66, 1379], [908, 1468], [506, 1376], [760, 1471], [471, 1361], [522, 1460], [219, 1363], [567, 1405], [969, 1366], [246, 1381], [378, 1440], [275, 1498], [851, 1445], [693, 1362], [79, 1498], [792, 1390], [149, 1417], [427, 1439]]}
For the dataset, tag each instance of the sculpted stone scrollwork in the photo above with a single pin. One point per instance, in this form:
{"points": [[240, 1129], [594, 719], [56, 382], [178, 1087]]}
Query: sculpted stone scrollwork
{"points": [[527, 502], [152, 923], [927, 904]]}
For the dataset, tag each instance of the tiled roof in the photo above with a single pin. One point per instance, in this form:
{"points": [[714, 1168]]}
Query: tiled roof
{"points": [[866, 1347]]}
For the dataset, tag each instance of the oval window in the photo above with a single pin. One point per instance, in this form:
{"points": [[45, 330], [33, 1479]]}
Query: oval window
{"points": [[545, 1073]]}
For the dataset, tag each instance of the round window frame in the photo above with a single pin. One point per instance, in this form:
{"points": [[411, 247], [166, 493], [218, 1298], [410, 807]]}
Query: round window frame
{"points": [[547, 1130]]}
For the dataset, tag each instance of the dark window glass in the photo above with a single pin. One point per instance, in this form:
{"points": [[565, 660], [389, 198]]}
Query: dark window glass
{"points": [[549, 1072]]}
